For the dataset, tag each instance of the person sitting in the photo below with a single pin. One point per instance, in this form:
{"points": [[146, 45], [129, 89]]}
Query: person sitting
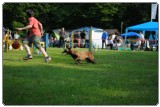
{"points": [[137, 45], [16, 36], [51, 41], [117, 42], [56, 42]]}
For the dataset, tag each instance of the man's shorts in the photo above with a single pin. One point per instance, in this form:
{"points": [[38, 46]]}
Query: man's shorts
{"points": [[34, 39]]}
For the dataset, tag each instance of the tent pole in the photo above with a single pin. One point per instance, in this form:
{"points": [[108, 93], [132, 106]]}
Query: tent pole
{"points": [[125, 36], [90, 40], [72, 36], [156, 36], [143, 32], [121, 26], [151, 12]]}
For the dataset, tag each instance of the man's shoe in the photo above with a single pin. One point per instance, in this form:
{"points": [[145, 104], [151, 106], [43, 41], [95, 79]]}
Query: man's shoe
{"points": [[27, 57], [47, 59]]}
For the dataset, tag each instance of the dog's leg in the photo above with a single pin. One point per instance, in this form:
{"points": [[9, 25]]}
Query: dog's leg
{"points": [[90, 61], [87, 60], [80, 61], [93, 61], [77, 60]]}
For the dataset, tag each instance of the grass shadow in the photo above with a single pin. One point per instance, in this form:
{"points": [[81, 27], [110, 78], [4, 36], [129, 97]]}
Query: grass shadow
{"points": [[13, 59]]}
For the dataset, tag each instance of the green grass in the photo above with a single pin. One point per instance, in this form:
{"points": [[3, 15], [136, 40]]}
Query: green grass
{"points": [[118, 78]]}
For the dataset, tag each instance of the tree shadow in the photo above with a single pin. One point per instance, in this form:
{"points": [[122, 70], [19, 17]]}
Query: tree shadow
{"points": [[13, 59]]}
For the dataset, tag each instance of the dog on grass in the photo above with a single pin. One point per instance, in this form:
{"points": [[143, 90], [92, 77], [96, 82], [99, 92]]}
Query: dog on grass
{"points": [[80, 56]]}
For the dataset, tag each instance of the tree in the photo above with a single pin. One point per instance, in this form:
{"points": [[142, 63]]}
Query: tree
{"points": [[75, 15]]}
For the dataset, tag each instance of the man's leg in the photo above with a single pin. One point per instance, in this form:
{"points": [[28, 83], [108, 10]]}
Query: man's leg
{"points": [[36, 42], [59, 42], [43, 52], [102, 44], [27, 48], [105, 44]]}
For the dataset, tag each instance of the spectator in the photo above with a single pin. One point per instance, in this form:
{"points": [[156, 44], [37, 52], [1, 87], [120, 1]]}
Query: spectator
{"points": [[136, 45], [16, 36], [111, 39], [104, 37], [51, 41], [83, 37], [117, 42], [79, 39], [142, 40], [62, 34], [56, 43], [87, 39]]}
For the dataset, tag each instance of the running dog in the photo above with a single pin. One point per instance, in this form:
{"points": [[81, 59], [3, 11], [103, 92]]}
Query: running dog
{"points": [[80, 56]]}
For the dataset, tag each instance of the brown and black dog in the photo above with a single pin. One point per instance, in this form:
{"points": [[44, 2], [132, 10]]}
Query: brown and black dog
{"points": [[80, 56]]}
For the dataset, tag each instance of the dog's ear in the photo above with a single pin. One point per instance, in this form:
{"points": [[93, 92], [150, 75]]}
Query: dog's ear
{"points": [[65, 51]]}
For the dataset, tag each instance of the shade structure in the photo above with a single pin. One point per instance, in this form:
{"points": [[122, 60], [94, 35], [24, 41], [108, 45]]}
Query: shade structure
{"points": [[147, 26], [130, 34]]}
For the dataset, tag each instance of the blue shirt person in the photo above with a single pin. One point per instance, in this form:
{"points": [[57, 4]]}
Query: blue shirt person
{"points": [[104, 37]]}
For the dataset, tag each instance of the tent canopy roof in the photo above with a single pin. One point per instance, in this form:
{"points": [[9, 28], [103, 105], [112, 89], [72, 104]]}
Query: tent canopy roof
{"points": [[130, 34], [86, 29], [148, 26]]}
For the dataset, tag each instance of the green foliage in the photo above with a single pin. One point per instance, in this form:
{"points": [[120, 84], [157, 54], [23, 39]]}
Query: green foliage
{"points": [[16, 24], [118, 78], [74, 15]]}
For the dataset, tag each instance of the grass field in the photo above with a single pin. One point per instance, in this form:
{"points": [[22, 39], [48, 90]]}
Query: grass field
{"points": [[118, 78]]}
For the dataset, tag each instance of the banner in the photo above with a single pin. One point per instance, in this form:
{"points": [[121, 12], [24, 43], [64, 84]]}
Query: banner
{"points": [[153, 11]]}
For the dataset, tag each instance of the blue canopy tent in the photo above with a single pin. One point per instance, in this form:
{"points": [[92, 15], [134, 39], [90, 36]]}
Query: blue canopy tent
{"points": [[148, 26], [130, 34]]}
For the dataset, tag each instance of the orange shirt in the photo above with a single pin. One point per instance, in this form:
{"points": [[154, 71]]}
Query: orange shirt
{"points": [[35, 28]]}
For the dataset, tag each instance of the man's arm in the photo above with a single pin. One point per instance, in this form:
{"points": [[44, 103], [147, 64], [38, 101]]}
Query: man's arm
{"points": [[40, 27], [24, 28]]}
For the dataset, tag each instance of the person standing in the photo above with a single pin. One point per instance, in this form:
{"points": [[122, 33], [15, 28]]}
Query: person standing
{"points": [[62, 34], [34, 35], [79, 39], [110, 41], [83, 37], [87, 38], [142, 40], [104, 37]]}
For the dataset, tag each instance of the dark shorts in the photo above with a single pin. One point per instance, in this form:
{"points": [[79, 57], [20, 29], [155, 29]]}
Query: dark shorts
{"points": [[34, 39]]}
